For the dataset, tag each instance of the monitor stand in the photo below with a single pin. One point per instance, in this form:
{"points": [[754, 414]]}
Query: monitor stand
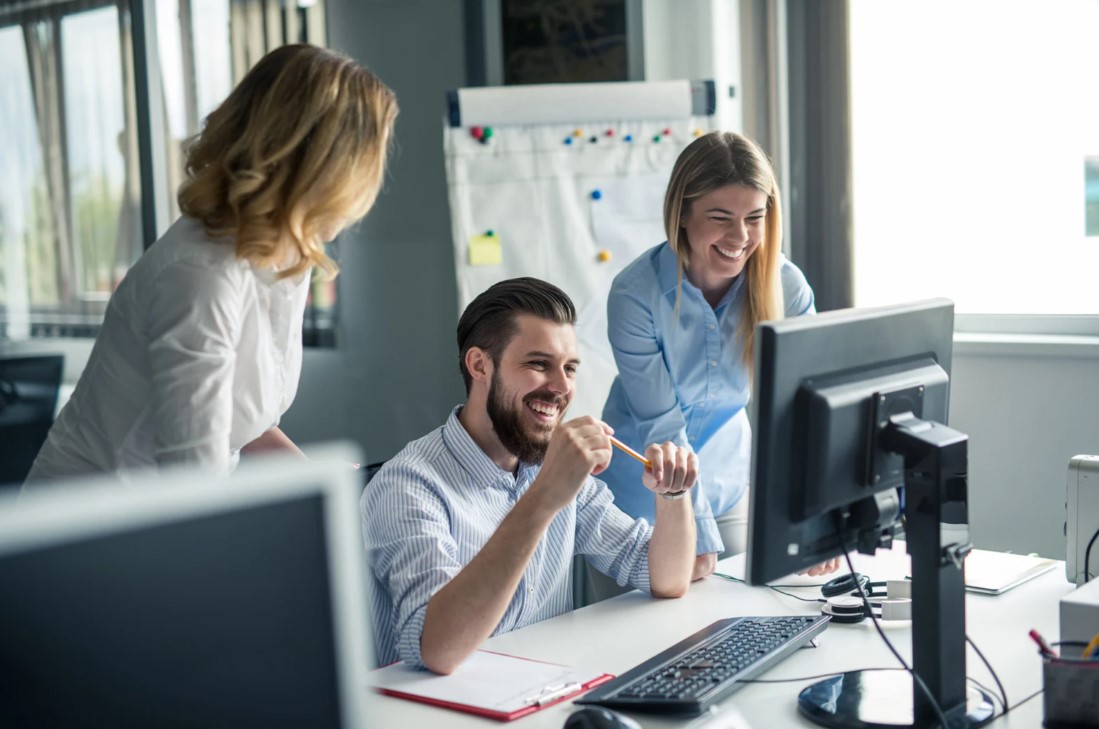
{"points": [[935, 463]]}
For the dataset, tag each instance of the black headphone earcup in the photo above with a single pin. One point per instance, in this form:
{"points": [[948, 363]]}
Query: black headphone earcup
{"points": [[844, 584]]}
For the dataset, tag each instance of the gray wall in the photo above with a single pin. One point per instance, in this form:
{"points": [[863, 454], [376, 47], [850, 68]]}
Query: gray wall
{"points": [[394, 376], [1027, 408]]}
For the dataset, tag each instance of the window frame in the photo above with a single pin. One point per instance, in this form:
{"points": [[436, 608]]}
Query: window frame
{"points": [[294, 21], [798, 50]]}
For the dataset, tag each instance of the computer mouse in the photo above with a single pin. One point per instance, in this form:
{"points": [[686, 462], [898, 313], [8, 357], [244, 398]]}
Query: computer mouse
{"points": [[596, 717]]}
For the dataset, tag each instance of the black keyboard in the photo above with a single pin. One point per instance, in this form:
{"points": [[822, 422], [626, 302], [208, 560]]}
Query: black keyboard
{"points": [[703, 669]]}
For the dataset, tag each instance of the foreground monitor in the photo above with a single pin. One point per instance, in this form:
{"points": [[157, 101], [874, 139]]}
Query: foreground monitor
{"points": [[851, 444], [189, 601]]}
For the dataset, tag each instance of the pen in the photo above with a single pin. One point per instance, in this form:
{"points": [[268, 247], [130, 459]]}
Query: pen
{"points": [[552, 693], [629, 451], [1042, 645]]}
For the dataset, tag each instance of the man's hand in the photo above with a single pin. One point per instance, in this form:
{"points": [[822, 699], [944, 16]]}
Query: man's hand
{"points": [[824, 568], [576, 450], [674, 469]]}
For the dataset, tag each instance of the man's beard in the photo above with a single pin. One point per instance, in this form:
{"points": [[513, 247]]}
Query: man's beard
{"points": [[508, 424]]}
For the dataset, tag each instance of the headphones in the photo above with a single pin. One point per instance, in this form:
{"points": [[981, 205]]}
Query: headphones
{"points": [[843, 603]]}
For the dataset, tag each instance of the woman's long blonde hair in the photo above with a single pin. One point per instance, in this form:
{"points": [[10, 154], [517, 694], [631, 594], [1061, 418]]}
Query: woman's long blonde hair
{"points": [[711, 162], [296, 150]]}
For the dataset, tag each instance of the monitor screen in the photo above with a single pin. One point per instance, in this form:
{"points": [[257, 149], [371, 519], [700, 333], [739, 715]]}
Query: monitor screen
{"points": [[28, 398], [825, 387], [204, 606]]}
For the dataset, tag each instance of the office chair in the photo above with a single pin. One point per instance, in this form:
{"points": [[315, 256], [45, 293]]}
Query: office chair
{"points": [[28, 398], [370, 470]]}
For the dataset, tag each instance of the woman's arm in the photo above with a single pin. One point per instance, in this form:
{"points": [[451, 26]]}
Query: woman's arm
{"points": [[272, 441]]}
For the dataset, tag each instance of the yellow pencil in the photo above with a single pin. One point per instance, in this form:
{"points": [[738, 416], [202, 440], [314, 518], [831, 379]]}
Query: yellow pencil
{"points": [[629, 451], [1093, 646]]}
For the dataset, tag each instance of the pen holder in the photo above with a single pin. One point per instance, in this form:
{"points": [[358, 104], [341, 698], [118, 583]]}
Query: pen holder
{"points": [[1071, 697]]}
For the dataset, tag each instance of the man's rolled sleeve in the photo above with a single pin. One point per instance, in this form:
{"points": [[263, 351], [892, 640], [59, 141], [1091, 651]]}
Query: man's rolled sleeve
{"points": [[613, 542], [412, 555]]}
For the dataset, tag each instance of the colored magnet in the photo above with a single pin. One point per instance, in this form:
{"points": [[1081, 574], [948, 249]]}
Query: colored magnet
{"points": [[656, 137], [486, 135], [578, 132], [698, 132], [596, 194], [485, 250], [609, 132], [593, 139], [628, 138], [477, 133], [568, 140], [604, 256], [490, 232], [667, 132]]}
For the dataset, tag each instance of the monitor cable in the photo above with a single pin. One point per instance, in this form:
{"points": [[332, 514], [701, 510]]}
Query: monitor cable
{"points": [[738, 580], [877, 626], [1087, 556], [995, 677]]}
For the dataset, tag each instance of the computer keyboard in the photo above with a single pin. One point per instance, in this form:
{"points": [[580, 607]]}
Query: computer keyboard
{"points": [[708, 666]]}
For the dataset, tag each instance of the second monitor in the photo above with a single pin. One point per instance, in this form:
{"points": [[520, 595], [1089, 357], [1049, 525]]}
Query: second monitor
{"points": [[851, 443]]}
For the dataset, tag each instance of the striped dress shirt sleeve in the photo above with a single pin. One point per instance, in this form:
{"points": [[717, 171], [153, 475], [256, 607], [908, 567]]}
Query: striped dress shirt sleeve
{"points": [[433, 507]]}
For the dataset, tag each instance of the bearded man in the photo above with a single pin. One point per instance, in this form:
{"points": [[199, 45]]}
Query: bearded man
{"points": [[471, 530]]}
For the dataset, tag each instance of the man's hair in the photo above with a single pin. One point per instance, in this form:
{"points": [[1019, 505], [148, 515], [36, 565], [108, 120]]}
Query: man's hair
{"points": [[489, 321]]}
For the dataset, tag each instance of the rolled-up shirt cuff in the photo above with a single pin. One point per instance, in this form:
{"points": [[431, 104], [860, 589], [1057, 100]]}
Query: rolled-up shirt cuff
{"points": [[408, 644], [709, 539]]}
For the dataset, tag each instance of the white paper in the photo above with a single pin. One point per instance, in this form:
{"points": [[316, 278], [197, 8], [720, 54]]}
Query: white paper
{"points": [[488, 680]]}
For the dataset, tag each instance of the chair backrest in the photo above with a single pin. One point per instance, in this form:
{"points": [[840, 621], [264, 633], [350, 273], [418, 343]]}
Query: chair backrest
{"points": [[28, 397]]}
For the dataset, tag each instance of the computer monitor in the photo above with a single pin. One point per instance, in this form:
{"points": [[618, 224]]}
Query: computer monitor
{"points": [[187, 601], [851, 442], [28, 398]]}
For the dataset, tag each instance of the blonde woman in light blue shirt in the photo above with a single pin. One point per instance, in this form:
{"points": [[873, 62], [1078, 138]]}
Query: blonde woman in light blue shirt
{"points": [[681, 323]]}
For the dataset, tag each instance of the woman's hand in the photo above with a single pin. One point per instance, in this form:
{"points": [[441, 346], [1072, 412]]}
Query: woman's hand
{"points": [[824, 568]]}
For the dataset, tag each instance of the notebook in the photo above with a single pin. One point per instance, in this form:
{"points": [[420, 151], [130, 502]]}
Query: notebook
{"points": [[494, 685], [992, 573]]}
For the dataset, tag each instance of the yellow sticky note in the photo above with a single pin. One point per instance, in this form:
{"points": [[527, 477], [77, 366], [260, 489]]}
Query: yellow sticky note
{"points": [[484, 250]]}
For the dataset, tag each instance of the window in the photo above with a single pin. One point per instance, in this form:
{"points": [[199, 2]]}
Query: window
{"points": [[972, 126], [72, 214]]}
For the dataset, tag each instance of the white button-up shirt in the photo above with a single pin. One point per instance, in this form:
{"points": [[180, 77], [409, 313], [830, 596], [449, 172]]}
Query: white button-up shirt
{"points": [[198, 355]]}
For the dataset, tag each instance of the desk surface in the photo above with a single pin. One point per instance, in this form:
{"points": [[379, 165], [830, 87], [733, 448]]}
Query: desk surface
{"points": [[617, 634]]}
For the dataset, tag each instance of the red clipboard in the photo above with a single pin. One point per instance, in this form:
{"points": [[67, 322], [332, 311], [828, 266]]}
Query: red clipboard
{"points": [[482, 677]]}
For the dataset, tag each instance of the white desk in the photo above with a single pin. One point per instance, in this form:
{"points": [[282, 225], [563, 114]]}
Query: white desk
{"points": [[617, 634]]}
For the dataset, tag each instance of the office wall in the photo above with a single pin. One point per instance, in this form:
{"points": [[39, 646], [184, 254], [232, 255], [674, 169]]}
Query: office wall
{"points": [[1027, 408], [395, 374]]}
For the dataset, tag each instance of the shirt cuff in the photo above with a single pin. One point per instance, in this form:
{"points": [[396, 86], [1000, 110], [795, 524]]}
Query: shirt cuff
{"points": [[408, 643], [709, 539], [640, 577]]}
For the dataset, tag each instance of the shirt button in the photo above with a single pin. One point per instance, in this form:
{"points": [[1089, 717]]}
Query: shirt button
{"points": [[711, 326], [530, 589], [713, 363]]}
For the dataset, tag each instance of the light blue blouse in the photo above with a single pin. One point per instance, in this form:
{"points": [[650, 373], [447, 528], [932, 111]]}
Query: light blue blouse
{"points": [[680, 379]]}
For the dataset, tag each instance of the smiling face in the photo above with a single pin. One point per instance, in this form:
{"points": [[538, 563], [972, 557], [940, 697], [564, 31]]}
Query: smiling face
{"points": [[724, 228], [532, 386]]}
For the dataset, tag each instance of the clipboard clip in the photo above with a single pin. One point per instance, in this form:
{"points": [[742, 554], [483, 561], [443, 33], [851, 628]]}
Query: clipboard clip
{"points": [[552, 693]]}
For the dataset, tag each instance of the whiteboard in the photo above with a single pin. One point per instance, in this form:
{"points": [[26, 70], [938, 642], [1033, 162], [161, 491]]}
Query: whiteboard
{"points": [[570, 203]]}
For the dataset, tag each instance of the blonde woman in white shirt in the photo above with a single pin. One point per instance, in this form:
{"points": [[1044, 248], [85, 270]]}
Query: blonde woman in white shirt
{"points": [[200, 351]]}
